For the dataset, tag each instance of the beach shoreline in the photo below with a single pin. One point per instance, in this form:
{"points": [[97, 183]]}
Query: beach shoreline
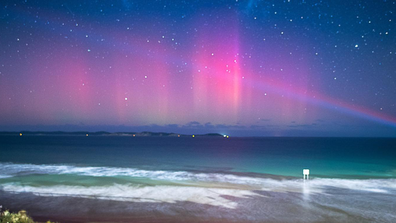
{"points": [[333, 205]]}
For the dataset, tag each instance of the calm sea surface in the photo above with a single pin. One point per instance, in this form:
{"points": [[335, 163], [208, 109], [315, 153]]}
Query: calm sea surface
{"points": [[212, 178]]}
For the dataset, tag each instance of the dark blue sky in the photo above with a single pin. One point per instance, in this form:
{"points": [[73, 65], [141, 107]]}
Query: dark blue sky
{"points": [[251, 68]]}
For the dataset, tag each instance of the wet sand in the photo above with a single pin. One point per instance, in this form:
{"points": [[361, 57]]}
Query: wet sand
{"points": [[267, 207]]}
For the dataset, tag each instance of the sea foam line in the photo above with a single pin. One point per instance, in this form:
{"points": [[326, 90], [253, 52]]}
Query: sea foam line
{"points": [[296, 185], [5, 176], [152, 194], [27, 169]]}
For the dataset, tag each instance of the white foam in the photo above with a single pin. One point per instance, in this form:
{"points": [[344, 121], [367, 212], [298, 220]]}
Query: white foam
{"points": [[14, 169], [5, 176], [369, 185], [316, 185], [157, 194], [319, 185]]}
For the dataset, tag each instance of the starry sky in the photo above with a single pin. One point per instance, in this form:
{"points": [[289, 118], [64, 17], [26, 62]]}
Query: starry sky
{"points": [[240, 67]]}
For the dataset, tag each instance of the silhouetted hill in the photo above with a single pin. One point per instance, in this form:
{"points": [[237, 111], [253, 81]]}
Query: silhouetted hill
{"points": [[104, 133]]}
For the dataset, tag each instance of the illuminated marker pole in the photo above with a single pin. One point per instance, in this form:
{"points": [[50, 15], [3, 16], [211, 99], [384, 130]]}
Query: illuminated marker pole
{"points": [[306, 174]]}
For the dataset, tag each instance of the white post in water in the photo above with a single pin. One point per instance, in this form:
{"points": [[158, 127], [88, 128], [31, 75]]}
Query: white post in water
{"points": [[306, 174]]}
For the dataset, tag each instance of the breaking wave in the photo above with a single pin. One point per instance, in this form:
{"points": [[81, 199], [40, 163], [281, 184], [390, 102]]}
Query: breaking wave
{"points": [[316, 185]]}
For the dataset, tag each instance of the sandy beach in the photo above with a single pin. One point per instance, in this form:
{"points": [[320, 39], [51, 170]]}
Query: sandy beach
{"points": [[333, 205]]}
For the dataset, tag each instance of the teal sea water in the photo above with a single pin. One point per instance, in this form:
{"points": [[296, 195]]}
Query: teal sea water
{"points": [[213, 178]]}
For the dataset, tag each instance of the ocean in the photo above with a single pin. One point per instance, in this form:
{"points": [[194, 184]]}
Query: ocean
{"points": [[201, 179]]}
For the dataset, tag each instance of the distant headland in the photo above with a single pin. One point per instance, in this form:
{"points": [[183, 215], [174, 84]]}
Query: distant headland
{"points": [[104, 133]]}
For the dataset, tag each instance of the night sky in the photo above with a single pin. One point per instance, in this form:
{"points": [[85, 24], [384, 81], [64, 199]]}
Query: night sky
{"points": [[247, 68]]}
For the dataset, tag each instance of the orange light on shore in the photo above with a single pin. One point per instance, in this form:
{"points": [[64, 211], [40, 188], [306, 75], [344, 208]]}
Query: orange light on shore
{"points": [[20, 134], [193, 136]]}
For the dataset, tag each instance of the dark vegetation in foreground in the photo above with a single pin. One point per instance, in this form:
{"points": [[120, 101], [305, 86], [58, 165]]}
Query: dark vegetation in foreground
{"points": [[20, 217]]}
